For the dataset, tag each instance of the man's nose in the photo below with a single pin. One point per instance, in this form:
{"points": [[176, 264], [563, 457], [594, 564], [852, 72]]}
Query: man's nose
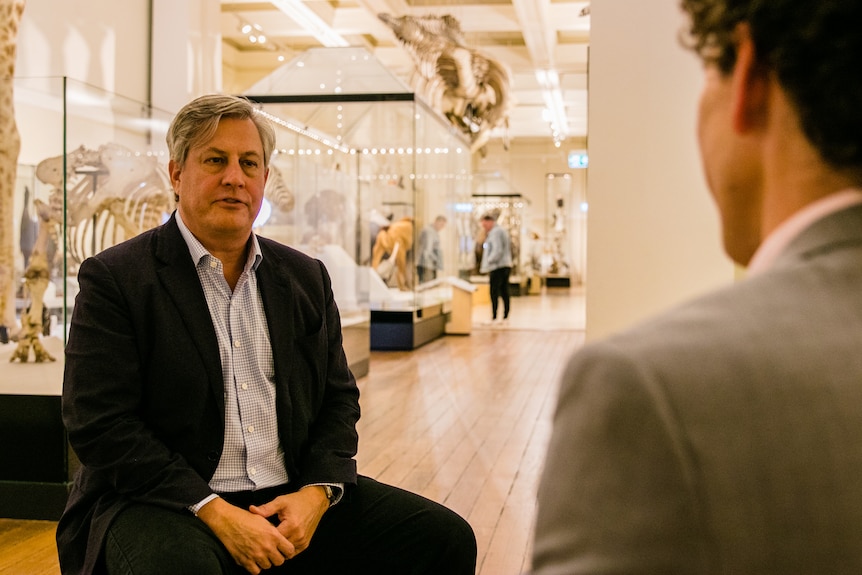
{"points": [[233, 174]]}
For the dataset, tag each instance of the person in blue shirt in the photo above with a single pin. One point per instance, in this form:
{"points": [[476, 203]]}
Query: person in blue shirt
{"points": [[497, 262]]}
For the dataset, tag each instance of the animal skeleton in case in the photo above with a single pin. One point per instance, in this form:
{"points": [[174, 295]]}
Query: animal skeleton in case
{"points": [[112, 194]]}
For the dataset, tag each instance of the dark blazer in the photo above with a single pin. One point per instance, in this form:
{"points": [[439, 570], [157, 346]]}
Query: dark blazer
{"points": [[722, 436], [143, 397]]}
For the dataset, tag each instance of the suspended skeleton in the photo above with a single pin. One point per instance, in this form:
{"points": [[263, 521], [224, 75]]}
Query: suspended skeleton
{"points": [[473, 91], [112, 194]]}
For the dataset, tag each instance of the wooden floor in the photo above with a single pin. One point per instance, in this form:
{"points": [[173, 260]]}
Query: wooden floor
{"points": [[28, 548], [463, 420]]}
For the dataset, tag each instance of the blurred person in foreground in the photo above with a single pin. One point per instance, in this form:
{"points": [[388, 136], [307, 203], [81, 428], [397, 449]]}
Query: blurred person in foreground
{"points": [[209, 399], [723, 436]]}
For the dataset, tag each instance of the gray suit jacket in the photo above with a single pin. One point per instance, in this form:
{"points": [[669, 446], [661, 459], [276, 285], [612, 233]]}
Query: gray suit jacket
{"points": [[722, 437], [143, 398]]}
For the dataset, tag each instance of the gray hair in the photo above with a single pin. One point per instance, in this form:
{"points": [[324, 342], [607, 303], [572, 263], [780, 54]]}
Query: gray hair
{"points": [[198, 121]]}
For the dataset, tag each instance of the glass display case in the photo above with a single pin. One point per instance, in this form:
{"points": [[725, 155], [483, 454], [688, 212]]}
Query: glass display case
{"points": [[91, 172], [370, 166], [557, 265], [309, 205]]}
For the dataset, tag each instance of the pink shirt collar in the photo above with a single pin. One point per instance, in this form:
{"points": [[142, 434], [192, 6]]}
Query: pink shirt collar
{"points": [[781, 236]]}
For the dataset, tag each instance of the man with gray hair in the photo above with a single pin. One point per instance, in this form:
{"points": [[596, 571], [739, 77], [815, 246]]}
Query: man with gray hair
{"points": [[208, 397]]}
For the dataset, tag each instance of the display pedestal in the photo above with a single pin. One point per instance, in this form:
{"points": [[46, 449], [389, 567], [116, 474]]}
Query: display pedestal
{"points": [[406, 330], [356, 340], [36, 463], [461, 317], [534, 284], [517, 286], [558, 281], [482, 295]]}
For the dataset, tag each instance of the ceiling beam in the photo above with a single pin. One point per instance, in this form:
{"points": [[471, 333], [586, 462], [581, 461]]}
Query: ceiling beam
{"points": [[309, 20], [394, 7], [539, 36]]}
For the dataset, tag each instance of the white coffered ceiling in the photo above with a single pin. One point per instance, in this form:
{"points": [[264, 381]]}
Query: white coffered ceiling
{"points": [[526, 35]]}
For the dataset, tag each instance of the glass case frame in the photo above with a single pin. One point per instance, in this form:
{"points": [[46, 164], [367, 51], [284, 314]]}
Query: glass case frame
{"points": [[92, 171]]}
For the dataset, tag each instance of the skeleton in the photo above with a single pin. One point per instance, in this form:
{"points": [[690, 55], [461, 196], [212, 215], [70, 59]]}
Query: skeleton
{"points": [[36, 280], [471, 90], [277, 192], [10, 146], [112, 195]]}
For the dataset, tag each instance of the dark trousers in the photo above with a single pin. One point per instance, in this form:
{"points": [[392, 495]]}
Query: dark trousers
{"points": [[426, 274], [499, 284], [376, 529]]}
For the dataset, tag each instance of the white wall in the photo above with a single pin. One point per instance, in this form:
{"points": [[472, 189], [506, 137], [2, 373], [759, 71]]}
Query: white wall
{"points": [[99, 42], [653, 235], [187, 53], [106, 44]]}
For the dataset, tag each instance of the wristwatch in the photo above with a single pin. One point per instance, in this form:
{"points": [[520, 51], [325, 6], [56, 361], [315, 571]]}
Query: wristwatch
{"points": [[330, 493]]}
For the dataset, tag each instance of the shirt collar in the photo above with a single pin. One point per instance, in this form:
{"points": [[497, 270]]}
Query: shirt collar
{"points": [[776, 242], [197, 249]]}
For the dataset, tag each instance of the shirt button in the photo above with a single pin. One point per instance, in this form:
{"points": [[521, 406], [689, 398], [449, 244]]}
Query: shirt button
{"points": [[253, 470], [251, 429], [245, 386], [237, 344], [213, 264]]}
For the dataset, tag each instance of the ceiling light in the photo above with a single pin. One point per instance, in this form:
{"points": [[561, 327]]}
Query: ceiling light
{"points": [[552, 94], [311, 22]]}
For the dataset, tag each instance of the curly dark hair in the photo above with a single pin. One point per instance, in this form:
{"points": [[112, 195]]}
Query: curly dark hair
{"points": [[814, 48]]}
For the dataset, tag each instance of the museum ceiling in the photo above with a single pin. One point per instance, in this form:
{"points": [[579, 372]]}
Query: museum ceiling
{"points": [[542, 43]]}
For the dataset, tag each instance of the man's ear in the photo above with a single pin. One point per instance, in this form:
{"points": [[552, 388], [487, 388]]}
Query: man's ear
{"points": [[174, 171], [750, 84]]}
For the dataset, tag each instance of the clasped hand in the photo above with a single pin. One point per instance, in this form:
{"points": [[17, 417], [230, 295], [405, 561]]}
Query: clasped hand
{"points": [[254, 541]]}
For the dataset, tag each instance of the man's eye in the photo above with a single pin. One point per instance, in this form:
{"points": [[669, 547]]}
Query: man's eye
{"points": [[214, 160], [250, 163]]}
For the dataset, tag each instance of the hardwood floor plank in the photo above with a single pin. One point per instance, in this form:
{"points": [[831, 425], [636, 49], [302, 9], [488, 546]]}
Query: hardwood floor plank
{"points": [[468, 427], [28, 548]]}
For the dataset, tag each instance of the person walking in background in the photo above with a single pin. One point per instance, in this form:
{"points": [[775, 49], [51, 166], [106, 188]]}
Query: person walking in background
{"points": [[497, 263], [208, 397], [723, 436], [430, 259]]}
